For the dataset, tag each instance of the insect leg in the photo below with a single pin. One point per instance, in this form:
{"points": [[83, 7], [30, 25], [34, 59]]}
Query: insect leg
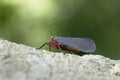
{"points": [[49, 48], [42, 46], [69, 51], [60, 48]]}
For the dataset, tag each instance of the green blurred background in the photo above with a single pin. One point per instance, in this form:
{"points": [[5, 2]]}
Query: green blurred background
{"points": [[30, 22]]}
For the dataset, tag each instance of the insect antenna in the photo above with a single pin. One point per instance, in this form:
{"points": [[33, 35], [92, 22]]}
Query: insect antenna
{"points": [[51, 33]]}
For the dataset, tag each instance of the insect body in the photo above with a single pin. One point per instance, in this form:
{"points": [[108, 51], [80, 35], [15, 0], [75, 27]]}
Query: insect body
{"points": [[79, 46]]}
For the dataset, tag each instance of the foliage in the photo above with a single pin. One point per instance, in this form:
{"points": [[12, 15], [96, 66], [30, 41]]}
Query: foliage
{"points": [[99, 20]]}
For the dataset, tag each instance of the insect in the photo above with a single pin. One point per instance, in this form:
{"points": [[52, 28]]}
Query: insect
{"points": [[79, 46]]}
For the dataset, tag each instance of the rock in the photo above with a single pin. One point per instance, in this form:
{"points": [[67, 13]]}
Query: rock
{"points": [[20, 62]]}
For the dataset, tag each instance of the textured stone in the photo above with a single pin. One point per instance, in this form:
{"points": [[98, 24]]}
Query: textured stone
{"points": [[20, 62]]}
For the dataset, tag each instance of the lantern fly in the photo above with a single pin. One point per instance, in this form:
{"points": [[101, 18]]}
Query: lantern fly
{"points": [[79, 46]]}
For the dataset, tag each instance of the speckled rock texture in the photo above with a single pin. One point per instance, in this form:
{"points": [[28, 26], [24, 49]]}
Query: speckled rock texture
{"points": [[21, 62]]}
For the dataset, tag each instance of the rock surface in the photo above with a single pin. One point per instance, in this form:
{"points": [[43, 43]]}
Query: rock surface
{"points": [[20, 62]]}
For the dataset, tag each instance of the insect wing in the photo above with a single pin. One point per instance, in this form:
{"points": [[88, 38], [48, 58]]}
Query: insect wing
{"points": [[81, 44]]}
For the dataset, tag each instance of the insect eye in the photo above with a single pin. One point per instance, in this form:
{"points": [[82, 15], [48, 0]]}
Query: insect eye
{"points": [[51, 37]]}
